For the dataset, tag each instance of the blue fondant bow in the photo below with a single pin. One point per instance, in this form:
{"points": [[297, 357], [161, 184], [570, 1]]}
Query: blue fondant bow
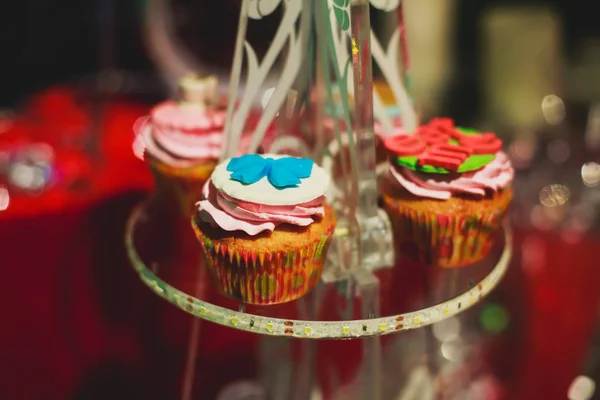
{"points": [[282, 173]]}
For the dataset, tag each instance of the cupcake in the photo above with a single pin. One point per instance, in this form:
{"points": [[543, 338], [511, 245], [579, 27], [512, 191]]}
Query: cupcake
{"points": [[447, 191], [264, 227], [182, 141]]}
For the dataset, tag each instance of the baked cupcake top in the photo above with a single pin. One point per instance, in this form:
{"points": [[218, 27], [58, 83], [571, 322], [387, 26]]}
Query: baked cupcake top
{"points": [[440, 160], [256, 193]]}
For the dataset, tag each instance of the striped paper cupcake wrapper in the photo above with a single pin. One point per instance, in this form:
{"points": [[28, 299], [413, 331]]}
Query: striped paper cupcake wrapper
{"points": [[264, 278], [447, 241], [183, 184], [194, 172]]}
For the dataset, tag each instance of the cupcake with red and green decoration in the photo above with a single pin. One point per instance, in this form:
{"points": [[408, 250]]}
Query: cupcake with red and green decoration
{"points": [[447, 192]]}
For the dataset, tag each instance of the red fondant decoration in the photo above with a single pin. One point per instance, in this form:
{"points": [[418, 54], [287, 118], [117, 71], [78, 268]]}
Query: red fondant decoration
{"points": [[452, 149], [431, 143], [404, 145], [433, 136], [445, 156], [448, 163], [486, 143], [441, 123]]}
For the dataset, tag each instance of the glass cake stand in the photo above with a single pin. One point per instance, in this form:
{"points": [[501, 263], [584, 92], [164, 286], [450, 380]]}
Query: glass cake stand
{"points": [[361, 304]]}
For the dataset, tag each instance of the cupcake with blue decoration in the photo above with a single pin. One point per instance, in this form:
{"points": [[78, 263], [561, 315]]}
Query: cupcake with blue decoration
{"points": [[264, 227]]}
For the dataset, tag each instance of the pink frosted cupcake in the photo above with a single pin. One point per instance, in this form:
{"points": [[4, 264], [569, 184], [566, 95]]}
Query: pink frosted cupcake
{"points": [[447, 192], [182, 141]]}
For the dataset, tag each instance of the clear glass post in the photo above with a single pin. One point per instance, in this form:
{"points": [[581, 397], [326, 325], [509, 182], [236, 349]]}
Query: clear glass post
{"points": [[375, 227], [363, 118]]}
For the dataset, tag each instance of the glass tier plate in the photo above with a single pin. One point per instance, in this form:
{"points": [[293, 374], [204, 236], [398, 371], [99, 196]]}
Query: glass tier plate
{"points": [[165, 254]]}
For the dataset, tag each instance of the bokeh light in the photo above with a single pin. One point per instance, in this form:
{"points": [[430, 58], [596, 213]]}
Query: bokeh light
{"points": [[447, 330], [554, 195], [523, 149], [559, 151], [590, 173], [494, 318], [582, 388], [453, 350], [553, 109]]}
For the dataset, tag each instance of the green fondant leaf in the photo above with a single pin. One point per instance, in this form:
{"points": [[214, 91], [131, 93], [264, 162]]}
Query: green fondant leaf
{"points": [[468, 131], [475, 162], [410, 162], [430, 169], [472, 163]]}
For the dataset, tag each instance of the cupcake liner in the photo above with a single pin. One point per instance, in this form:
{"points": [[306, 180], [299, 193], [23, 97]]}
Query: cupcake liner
{"points": [[265, 278], [183, 185], [447, 241]]}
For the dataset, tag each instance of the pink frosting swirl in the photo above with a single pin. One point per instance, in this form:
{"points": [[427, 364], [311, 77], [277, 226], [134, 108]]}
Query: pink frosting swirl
{"points": [[180, 135], [185, 145], [494, 176], [186, 132], [187, 118], [231, 214]]}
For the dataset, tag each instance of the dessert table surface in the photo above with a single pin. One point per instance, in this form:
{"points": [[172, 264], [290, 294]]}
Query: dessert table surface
{"points": [[80, 324]]}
